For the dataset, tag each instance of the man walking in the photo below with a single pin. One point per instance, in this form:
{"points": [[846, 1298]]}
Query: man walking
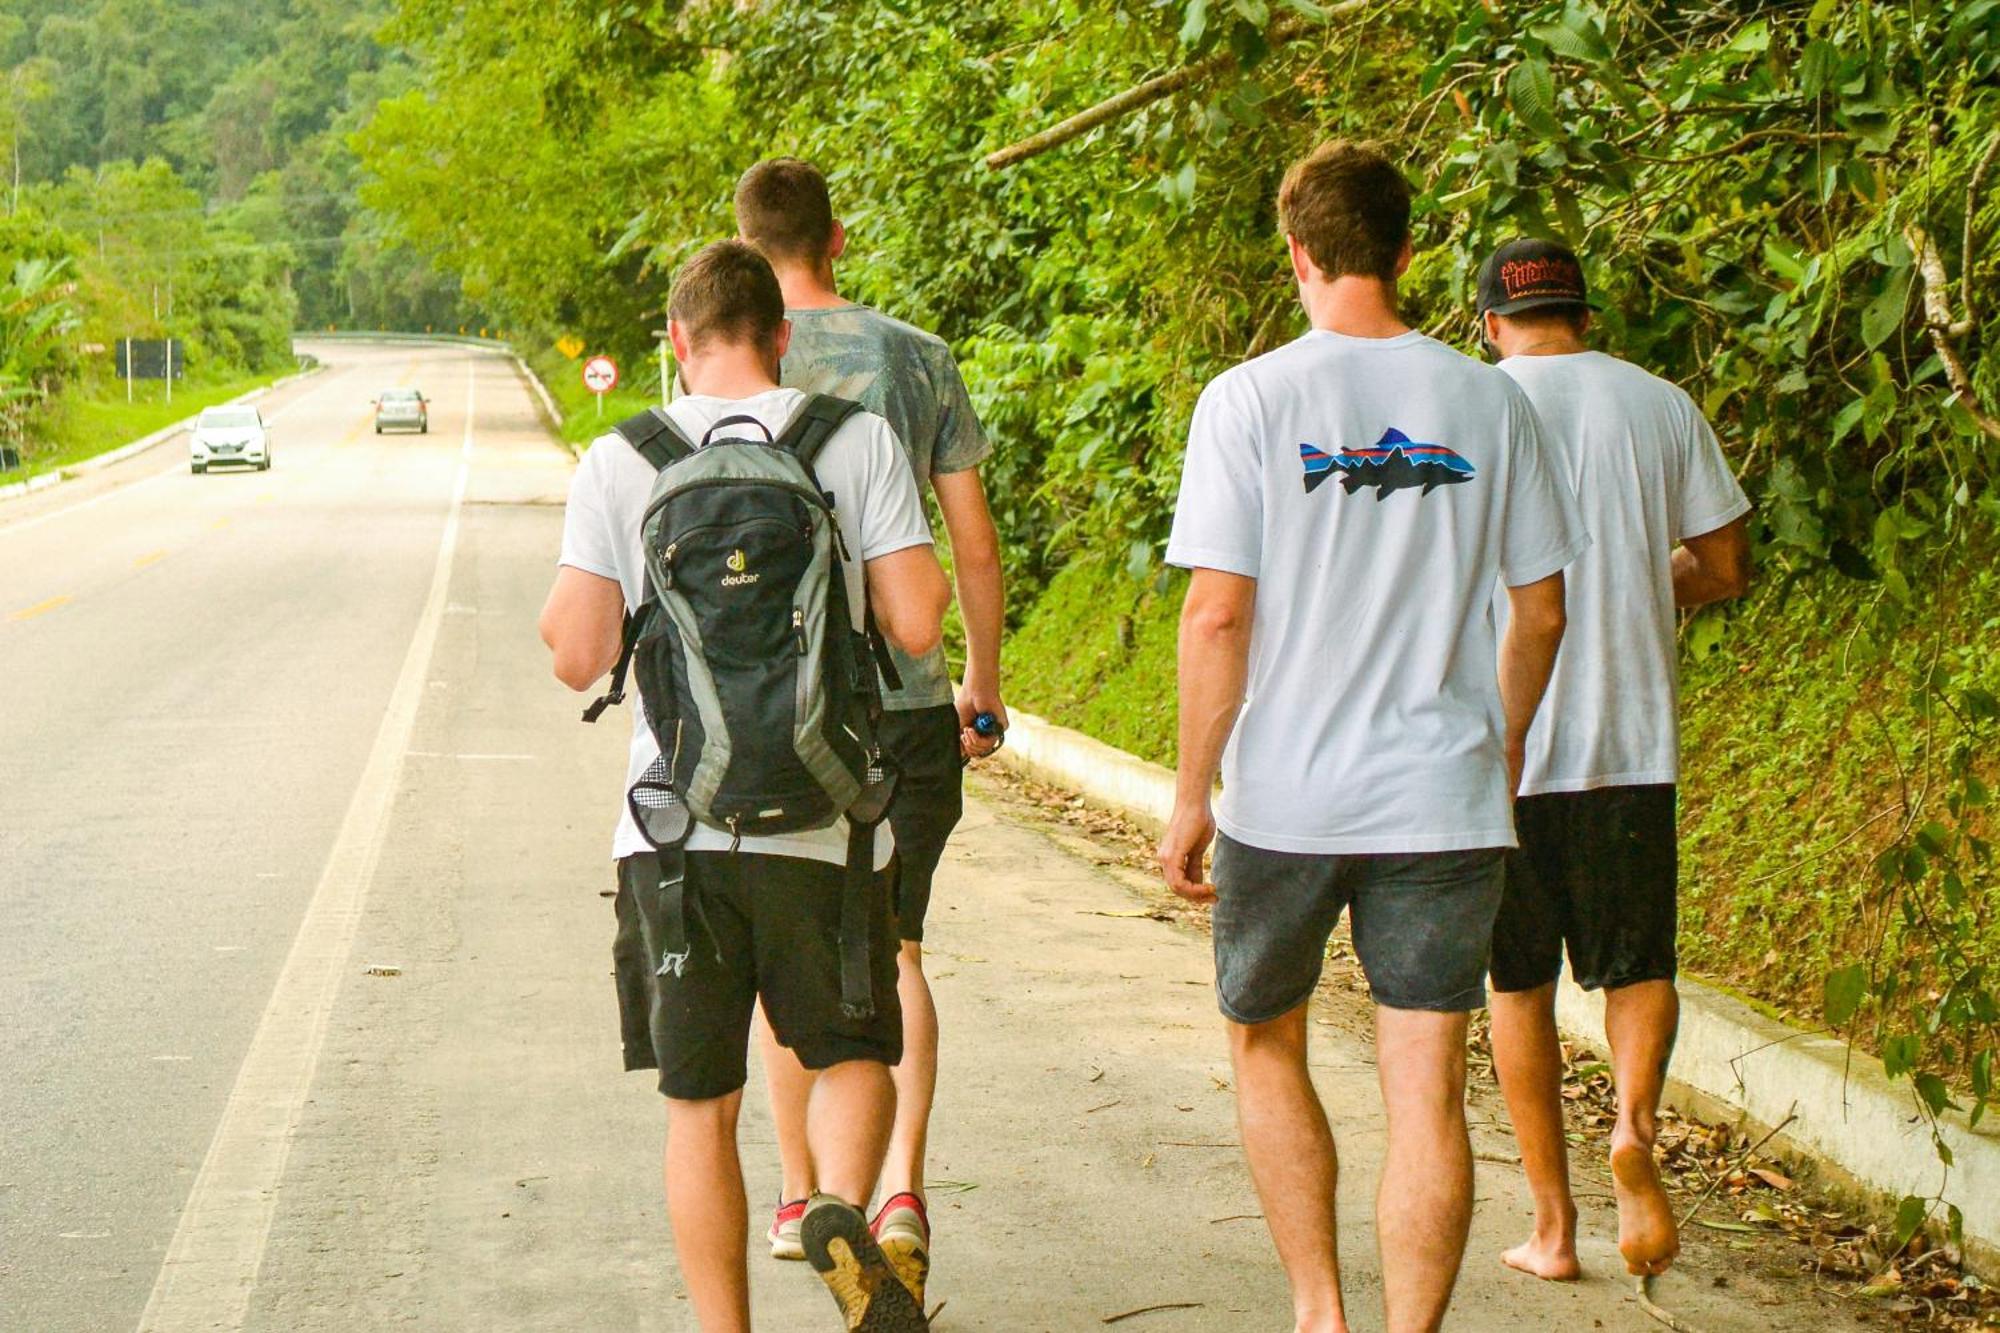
{"points": [[1596, 868], [907, 376], [763, 915], [1347, 505]]}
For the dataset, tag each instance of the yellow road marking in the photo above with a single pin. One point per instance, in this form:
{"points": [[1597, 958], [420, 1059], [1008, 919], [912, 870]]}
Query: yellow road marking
{"points": [[150, 558], [222, 522], [40, 608]]}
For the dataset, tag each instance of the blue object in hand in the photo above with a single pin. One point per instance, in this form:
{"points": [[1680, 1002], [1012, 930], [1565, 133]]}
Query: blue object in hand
{"points": [[987, 725]]}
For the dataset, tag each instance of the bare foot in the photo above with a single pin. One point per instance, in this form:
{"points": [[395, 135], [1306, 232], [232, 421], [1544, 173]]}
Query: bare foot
{"points": [[1646, 1233], [1552, 1259]]}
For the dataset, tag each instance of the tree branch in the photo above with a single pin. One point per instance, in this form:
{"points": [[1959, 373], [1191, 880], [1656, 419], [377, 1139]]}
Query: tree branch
{"points": [[1152, 90], [1944, 330], [1972, 189]]}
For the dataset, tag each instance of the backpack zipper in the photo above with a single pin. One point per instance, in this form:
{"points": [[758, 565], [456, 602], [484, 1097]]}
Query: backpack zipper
{"points": [[799, 629]]}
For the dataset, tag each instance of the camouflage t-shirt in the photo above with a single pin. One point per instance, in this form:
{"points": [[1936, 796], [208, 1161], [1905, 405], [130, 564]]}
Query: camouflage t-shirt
{"points": [[908, 376]]}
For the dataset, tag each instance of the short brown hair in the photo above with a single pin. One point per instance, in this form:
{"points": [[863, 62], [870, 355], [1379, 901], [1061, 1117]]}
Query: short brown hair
{"points": [[1349, 206], [782, 208], [728, 292]]}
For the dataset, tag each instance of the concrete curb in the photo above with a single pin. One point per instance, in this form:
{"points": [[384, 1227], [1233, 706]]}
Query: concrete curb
{"points": [[546, 399], [139, 446], [1847, 1116]]}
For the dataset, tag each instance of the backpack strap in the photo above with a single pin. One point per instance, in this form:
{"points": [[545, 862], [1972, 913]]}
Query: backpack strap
{"points": [[814, 424], [656, 438], [808, 432], [857, 891], [628, 642]]}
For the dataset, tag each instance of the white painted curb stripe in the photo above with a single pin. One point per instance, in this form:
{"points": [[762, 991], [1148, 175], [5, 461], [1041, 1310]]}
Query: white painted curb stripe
{"points": [[217, 1249], [1849, 1113]]}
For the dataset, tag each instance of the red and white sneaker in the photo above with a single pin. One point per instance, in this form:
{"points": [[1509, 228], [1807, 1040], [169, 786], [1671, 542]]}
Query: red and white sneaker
{"points": [[903, 1229], [784, 1233]]}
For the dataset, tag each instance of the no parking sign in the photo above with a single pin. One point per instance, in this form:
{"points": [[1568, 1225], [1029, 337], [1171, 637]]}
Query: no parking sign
{"points": [[600, 376]]}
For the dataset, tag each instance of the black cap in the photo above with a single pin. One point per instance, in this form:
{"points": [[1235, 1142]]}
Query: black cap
{"points": [[1528, 274]]}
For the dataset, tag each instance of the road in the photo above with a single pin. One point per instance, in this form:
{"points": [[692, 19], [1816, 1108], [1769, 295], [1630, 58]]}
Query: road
{"points": [[304, 959]]}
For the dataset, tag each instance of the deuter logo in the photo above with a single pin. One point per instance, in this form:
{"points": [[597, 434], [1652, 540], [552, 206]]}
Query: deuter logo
{"points": [[736, 578]]}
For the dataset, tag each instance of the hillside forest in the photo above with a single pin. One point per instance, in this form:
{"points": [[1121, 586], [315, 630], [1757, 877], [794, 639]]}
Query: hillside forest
{"points": [[1790, 209]]}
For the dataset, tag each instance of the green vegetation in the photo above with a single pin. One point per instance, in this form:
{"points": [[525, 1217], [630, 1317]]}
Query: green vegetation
{"points": [[638, 389], [1785, 208], [188, 164]]}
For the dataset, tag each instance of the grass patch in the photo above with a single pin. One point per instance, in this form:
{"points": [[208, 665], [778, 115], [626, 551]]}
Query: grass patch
{"points": [[95, 418], [1790, 757], [638, 389], [1096, 652]]}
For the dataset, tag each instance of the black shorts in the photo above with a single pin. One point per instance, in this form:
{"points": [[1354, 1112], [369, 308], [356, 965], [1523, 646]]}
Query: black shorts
{"points": [[1421, 922], [757, 926], [930, 799], [1596, 870]]}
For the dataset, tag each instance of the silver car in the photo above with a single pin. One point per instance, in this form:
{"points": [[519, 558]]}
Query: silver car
{"points": [[402, 409], [229, 435]]}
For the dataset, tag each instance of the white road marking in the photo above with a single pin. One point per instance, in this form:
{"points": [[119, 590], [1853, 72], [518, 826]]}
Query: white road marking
{"points": [[212, 1262], [446, 754]]}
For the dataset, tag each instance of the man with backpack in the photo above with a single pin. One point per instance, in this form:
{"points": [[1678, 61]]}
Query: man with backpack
{"points": [[1347, 505], [1597, 869], [737, 551], [908, 377]]}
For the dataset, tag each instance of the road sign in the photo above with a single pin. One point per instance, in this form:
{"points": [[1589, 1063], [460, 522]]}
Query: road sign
{"points": [[570, 346], [600, 374], [151, 358]]}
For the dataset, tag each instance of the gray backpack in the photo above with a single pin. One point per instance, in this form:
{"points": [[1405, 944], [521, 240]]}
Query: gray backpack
{"points": [[762, 695]]}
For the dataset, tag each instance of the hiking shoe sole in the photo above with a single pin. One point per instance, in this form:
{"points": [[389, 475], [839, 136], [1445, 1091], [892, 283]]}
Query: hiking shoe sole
{"points": [[842, 1251], [903, 1231]]}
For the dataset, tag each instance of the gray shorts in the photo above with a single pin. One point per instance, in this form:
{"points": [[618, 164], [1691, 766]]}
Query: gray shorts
{"points": [[1422, 925]]}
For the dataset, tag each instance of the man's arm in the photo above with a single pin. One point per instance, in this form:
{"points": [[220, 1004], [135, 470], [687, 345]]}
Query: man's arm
{"points": [[1713, 566], [908, 593], [1214, 668], [1536, 619], [975, 562], [583, 623]]}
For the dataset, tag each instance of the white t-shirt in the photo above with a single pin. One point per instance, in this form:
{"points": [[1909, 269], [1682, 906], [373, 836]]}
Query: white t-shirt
{"points": [[875, 503], [1649, 474], [1374, 488]]}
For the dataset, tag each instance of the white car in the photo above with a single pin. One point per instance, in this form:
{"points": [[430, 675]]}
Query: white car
{"points": [[228, 435]]}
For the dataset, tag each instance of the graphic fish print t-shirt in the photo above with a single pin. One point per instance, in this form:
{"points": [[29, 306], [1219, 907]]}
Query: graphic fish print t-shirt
{"points": [[1375, 488], [907, 376], [1649, 474]]}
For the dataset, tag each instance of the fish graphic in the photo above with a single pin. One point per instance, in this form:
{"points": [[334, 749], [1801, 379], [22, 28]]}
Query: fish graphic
{"points": [[1392, 463]]}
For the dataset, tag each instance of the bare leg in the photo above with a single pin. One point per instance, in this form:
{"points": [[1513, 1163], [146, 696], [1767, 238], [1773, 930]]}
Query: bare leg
{"points": [[1292, 1162], [1424, 1208], [1641, 1020], [916, 1076], [1527, 1055], [853, 1106], [707, 1210], [790, 1084]]}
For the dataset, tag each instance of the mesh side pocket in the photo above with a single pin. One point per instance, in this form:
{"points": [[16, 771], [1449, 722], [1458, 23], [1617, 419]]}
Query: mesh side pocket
{"points": [[657, 809]]}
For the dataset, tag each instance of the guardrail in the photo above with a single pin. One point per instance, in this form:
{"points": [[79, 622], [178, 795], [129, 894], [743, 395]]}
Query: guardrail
{"points": [[397, 336]]}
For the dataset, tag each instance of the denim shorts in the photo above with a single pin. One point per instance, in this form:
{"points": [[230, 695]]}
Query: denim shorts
{"points": [[1422, 925]]}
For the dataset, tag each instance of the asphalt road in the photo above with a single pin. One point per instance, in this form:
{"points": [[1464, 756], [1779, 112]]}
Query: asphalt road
{"points": [[194, 668], [306, 1020]]}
